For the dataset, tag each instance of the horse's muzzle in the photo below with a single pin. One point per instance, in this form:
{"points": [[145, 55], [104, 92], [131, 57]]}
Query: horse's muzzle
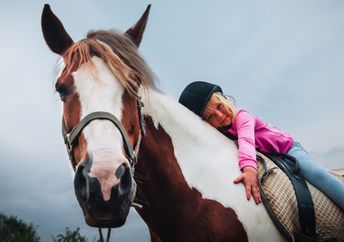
{"points": [[98, 212]]}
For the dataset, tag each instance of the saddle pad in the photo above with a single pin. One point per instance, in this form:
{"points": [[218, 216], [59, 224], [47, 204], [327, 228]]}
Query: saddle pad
{"points": [[280, 201]]}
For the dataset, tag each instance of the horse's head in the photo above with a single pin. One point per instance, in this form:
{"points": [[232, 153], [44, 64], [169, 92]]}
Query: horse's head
{"points": [[99, 85]]}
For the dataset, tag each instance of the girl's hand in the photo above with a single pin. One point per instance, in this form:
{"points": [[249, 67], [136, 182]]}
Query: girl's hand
{"points": [[250, 180]]}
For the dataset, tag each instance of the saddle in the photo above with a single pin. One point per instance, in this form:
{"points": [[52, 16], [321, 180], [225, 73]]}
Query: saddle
{"points": [[298, 209]]}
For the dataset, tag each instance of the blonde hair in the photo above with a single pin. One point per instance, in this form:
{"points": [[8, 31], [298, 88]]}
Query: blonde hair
{"points": [[228, 101]]}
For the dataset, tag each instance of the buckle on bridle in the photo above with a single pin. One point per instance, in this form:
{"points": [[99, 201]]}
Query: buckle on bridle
{"points": [[68, 143], [134, 159], [140, 103]]}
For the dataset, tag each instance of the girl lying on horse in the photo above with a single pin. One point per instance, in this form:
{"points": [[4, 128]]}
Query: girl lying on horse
{"points": [[207, 101]]}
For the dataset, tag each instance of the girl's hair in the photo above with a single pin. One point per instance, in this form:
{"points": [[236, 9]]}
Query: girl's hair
{"points": [[225, 100]]}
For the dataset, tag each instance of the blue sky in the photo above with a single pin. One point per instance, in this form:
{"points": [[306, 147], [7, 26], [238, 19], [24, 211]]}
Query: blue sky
{"points": [[281, 60]]}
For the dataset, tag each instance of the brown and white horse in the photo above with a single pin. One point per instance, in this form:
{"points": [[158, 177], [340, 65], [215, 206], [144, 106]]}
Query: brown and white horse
{"points": [[185, 168]]}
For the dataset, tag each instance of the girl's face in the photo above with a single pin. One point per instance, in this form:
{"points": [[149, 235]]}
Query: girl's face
{"points": [[217, 113]]}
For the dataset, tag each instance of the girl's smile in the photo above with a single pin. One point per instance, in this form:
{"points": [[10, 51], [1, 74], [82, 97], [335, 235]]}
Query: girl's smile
{"points": [[217, 114]]}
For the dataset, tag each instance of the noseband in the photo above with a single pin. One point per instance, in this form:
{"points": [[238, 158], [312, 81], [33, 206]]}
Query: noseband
{"points": [[70, 138]]}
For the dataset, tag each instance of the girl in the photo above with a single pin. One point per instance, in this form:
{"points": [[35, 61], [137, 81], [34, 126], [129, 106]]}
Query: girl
{"points": [[207, 101]]}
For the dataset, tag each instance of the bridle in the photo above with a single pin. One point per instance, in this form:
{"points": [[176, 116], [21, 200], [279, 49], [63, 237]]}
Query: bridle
{"points": [[71, 137]]}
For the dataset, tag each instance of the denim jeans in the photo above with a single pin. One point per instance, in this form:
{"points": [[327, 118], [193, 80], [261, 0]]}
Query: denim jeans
{"points": [[332, 187]]}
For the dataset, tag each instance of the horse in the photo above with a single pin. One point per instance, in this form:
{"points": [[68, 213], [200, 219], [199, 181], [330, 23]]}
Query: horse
{"points": [[124, 135]]}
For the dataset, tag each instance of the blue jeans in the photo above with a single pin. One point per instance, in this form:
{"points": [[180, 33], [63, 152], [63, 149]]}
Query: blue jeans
{"points": [[332, 187]]}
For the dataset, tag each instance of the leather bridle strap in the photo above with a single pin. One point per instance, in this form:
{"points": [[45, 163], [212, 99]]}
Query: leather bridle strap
{"points": [[101, 238], [71, 137]]}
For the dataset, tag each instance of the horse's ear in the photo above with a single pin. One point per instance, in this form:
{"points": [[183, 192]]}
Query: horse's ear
{"points": [[136, 31], [54, 33]]}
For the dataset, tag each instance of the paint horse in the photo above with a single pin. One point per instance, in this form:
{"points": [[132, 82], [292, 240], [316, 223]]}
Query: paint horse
{"points": [[185, 168]]}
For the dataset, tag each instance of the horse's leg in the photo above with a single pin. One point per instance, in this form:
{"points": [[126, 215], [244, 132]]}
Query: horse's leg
{"points": [[154, 236]]}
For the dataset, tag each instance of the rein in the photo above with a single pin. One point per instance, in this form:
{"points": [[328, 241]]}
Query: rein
{"points": [[101, 238], [71, 137]]}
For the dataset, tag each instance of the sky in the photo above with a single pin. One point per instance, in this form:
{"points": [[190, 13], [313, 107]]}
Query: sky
{"points": [[280, 60]]}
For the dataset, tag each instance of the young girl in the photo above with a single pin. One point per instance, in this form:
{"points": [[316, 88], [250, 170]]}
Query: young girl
{"points": [[207, 101]]}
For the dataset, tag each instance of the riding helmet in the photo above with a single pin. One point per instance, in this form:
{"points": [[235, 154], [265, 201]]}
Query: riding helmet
{"points": [[197, 94]]}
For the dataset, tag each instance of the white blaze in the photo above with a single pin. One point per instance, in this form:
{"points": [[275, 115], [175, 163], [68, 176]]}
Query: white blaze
{"points": [[209, 163], [99, 91]]}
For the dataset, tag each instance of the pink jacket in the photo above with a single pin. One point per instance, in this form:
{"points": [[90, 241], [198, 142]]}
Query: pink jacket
{"points": [[254, 134]]}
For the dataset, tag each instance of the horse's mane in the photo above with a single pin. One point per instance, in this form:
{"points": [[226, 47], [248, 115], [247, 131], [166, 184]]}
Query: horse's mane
{"points": [[118, 52]]}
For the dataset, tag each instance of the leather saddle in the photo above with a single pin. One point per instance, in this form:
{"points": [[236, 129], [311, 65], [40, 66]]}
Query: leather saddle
{"points": [[298, 209]]}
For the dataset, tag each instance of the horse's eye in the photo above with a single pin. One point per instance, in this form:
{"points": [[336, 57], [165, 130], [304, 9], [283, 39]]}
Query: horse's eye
{"points": [[62, 90]]}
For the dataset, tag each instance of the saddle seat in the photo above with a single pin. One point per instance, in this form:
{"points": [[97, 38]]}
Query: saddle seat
{"points": [[279, 198]]}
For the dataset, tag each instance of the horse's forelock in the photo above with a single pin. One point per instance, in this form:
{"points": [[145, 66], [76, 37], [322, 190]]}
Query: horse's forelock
{"points": [[118, 52]]}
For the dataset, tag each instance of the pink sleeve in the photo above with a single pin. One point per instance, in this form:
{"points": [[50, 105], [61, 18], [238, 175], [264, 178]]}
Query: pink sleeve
{"points": [[244, 124]]}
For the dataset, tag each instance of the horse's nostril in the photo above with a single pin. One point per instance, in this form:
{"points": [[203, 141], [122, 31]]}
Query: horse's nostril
{"points": [[120, 171]]}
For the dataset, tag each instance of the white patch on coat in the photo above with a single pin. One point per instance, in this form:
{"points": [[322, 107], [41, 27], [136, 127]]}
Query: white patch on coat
{"points": [[60, 66], [99, 90], [209, 163]]}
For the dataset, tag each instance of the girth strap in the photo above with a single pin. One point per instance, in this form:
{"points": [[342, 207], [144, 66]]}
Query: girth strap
{"points": [[288, 165]]}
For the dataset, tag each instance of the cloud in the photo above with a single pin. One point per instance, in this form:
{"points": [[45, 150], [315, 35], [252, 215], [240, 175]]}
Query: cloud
{"points": [[46, 198], [331, 159], [282, 61]]}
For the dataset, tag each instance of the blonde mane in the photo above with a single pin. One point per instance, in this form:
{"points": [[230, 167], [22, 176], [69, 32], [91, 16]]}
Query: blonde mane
{"points": [[118, 52]]}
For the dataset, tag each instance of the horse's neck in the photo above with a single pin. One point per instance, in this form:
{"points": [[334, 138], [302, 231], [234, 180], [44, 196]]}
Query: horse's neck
{"points": [[174, 159], [162, 188], [173, 210], [199, 150]]}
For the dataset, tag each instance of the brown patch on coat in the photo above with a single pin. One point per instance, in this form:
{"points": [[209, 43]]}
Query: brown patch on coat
{"points": [[172, 210], [72, 114], [130, 117]]}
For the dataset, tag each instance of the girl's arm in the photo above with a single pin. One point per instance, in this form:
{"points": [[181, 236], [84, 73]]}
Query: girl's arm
{"points": [[244, 124]]}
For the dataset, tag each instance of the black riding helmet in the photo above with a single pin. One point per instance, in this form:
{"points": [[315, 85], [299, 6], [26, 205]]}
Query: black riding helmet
{"points": [[197, 94]]}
